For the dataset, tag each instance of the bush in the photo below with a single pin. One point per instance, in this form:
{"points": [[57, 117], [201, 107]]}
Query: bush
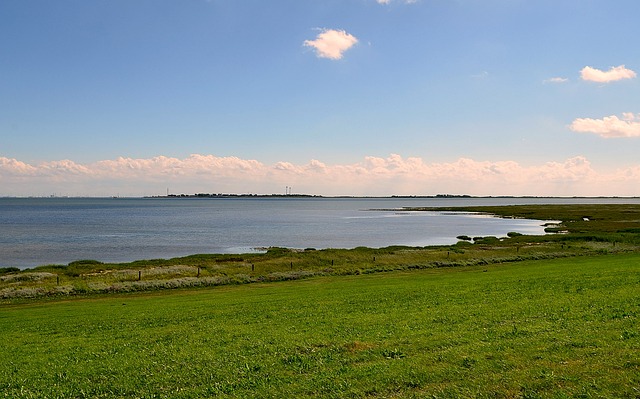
{"points": [[460, 244], [85, 262], [486, 240], [6, 270], [276, 251], [230, 259]]}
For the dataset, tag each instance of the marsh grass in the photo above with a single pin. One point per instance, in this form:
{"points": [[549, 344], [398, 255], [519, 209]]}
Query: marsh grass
{"points": [[553, 329], [281, 264], [575, 218], [592, 230]]}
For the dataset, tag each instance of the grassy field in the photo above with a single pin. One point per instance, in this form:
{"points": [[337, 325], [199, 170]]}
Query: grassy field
{"points": [[552, 316], [547, 329]]}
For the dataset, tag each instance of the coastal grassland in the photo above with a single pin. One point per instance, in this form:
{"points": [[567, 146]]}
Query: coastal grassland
{"points": [[576, 218], [278, 264], [556, 328], [588, 230]]}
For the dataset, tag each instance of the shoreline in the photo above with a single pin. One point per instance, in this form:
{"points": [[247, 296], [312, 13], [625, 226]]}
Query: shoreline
{"points": [[78, 251], [588, 230], [320, 196]]}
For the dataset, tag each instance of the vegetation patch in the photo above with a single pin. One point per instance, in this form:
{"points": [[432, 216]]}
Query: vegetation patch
{"points": [[549, 329]]}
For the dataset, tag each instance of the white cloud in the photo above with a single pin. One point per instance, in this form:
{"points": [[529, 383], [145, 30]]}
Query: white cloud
{"points": [[556, 80], [331, 43], [615, 73], [609, 126], [392, 175], [13, 167]]}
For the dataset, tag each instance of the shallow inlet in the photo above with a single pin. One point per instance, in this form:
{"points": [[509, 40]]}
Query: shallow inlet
{"points": [[59, 231]]}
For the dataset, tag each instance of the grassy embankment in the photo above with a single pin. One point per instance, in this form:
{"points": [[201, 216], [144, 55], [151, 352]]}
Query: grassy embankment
{"points": [[592, 230], [556, 328]]}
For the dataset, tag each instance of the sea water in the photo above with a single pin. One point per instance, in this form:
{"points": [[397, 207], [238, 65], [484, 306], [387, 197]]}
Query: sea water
{"points": [[37, 231]]}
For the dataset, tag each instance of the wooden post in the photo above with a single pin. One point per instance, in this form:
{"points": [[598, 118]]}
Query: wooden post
{"points": [[331, 262], [57, 280], [198, 271], [253, 267], [139, 275], [291, 265], [374, 258]]}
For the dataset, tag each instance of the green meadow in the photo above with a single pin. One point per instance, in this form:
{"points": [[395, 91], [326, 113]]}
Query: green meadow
{"points": [[491, 317], [548, 329]]}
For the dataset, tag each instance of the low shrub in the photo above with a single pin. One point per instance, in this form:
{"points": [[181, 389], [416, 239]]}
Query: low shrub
{"points": [[486, 240], [276, 251], [6, 270], [29, 276], [85, 262]]}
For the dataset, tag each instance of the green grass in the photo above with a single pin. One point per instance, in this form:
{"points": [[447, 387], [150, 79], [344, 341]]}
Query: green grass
{"points": [[84, 277], [562, 328], [576, 218]]}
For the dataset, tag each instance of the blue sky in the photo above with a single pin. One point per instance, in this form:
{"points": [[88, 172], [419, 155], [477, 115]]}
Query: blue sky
{"points": [[348, 97]]}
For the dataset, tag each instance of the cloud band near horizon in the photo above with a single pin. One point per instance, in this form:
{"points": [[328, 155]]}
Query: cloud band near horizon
{"points": [[373, 176]]}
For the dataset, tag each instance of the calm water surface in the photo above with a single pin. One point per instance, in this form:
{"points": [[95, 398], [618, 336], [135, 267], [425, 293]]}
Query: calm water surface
{"points": [[36, 231]]}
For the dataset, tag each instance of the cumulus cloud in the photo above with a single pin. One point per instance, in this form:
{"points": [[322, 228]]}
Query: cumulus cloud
{"points": [[331, 43], [391, 175], [13, 167], [609, 126], [614, 74]]}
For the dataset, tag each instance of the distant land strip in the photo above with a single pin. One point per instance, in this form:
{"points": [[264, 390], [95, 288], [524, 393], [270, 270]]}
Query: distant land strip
{"points": [[251, 195]]}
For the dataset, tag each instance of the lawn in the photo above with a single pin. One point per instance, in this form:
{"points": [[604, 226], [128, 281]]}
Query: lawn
{"points": [[558, 328]]}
